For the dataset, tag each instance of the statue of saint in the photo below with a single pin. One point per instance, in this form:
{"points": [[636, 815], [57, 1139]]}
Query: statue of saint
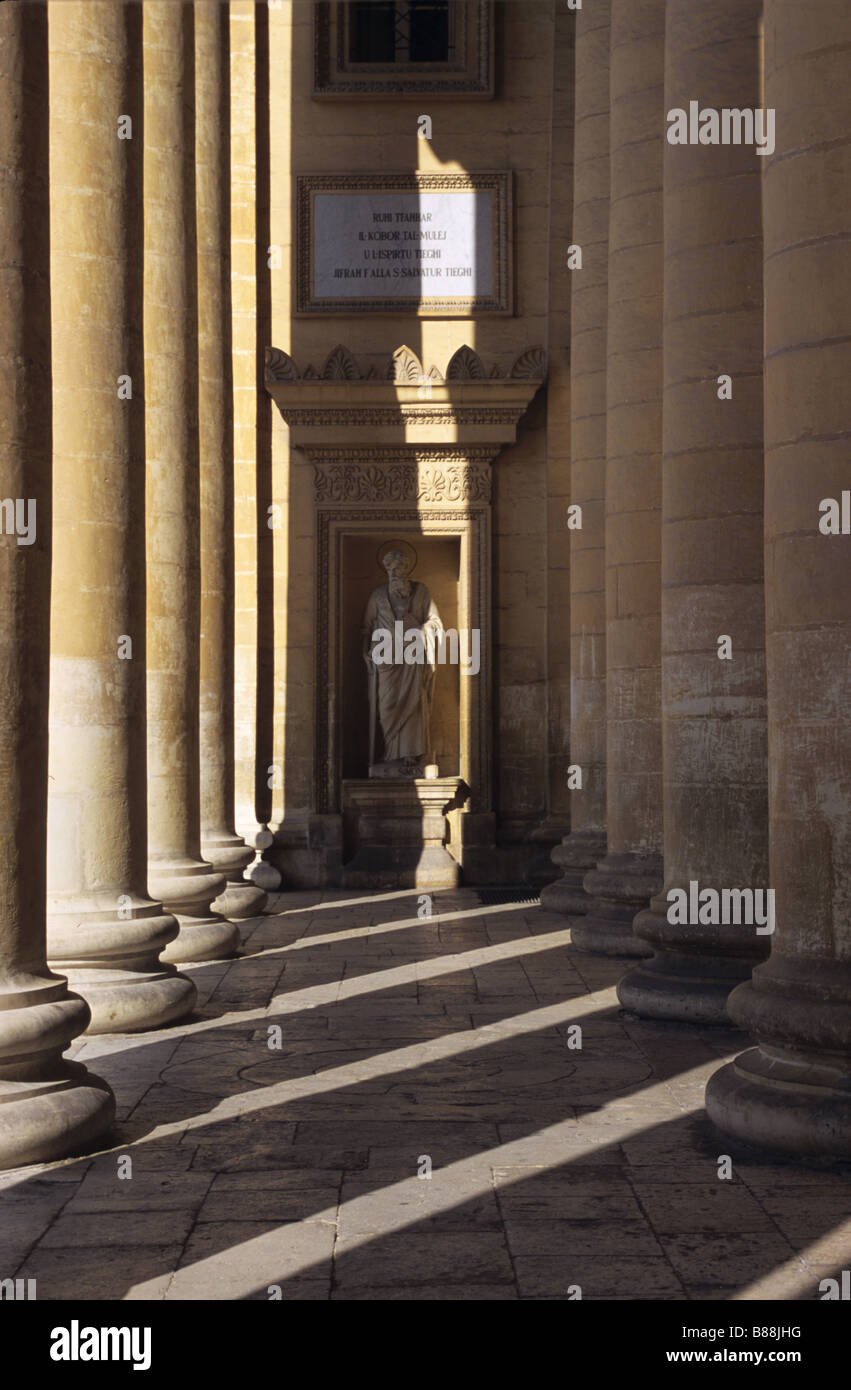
{"points": [[401, 626]]}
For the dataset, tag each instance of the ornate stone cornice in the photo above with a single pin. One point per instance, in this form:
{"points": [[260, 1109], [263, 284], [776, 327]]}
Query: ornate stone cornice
{"points": [[403, 405], [403, 366]]}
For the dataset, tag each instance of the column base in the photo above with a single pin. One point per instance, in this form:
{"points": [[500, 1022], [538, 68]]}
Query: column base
{"points": [[113, 963], [241, 900], [49, 1108], [791, 1093], [187, 887], [579, 852], [43, 1121], [693, 971], [782, 1105], [228, 854], [620, 886]]}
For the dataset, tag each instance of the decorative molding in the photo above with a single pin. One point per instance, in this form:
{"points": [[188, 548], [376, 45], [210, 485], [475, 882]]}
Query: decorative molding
{"points": [[461, 482], [384, 457], [340, 366], [530, 366], [280, 366], [406, 366], [380, 417], [403, 365], [465, 365]]}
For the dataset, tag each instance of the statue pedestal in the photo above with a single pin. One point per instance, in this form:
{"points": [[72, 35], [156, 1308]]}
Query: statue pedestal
{"points": [[398, 830]]}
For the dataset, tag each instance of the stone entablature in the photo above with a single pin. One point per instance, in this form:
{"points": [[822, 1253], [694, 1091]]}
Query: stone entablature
{"points": [[404, 406]]}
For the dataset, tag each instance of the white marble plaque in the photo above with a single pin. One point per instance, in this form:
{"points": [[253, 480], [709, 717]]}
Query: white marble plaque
{"points": [[403, 245]]}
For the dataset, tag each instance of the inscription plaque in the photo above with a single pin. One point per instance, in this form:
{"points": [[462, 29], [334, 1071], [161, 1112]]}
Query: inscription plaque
{"points": [[431, 244]]}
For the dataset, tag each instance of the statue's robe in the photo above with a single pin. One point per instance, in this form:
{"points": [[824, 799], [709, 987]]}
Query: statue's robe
{"points": [[404, 691]]}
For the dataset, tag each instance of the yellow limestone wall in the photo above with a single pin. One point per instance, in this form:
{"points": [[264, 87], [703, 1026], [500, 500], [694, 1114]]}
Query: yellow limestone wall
{"points": [[363, 134]]}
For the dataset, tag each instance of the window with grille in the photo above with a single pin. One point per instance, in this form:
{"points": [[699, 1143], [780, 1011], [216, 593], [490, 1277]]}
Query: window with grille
{"points": [[401, 48], [400, 31]]}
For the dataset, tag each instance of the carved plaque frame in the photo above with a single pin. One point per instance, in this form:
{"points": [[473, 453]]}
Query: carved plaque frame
{"points": [[497, 182]]}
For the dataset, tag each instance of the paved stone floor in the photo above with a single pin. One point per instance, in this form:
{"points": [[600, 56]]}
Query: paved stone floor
{"points": [[405, 1042]]}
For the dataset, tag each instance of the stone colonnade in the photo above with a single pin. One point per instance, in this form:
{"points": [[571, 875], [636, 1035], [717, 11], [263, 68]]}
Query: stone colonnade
{"points": [[710, 593], [727, 586], [116, 660]]}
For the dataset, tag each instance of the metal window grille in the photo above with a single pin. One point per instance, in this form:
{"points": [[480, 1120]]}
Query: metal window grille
{"points": [[401, 31]]}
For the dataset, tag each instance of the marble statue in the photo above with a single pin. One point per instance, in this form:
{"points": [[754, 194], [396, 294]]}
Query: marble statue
{"points": [[401, 627]]}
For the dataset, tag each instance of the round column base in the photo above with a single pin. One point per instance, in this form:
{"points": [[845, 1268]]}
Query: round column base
{"points": [[264, 875], [620, 886], [566, 896], [123, 1001], [56, 1118], [114, 964], [577, 853], [694, 969], [241, 900], [760, 1101], [609, 935], [228, 854], [658, 989], [187, 887], [202, 938]]}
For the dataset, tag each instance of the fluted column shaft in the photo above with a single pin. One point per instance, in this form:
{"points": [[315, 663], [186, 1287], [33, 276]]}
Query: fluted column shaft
{"points": [[586, 843], [185, 882], [714, 732], [631, 873], [48, 1107], [103, 929], [793, 1091], [220, 845]]}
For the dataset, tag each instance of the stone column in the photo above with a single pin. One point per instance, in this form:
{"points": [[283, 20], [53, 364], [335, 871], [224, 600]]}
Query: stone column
{"points": [[586, 843], [226, 851], [48, 1107], [713, 709], [250, 517], [560, 193], [793, 1091], [103, 929], [186, 884], [624, 882]]}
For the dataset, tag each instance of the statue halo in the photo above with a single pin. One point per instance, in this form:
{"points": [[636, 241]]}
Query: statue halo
{"points": [[403, 547]]}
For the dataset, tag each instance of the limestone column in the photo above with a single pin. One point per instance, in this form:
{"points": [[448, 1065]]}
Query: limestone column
{"points": [[48, 1107], [226, 851], [793, 1091], [103, 929], [177, 873], [586, 843], [624, 882], [713, 709], [250, 516]]}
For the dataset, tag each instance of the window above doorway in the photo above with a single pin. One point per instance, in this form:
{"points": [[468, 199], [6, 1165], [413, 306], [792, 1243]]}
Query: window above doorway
{"points": [[403, 48]]}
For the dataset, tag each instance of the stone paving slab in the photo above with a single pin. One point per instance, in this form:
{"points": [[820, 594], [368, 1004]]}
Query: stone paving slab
{"points": [[403, 1039]]}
